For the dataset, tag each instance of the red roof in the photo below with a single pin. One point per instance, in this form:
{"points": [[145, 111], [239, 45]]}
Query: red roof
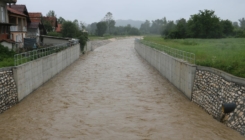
{"points": [[35, 17], [13, 11], [58, 29]]}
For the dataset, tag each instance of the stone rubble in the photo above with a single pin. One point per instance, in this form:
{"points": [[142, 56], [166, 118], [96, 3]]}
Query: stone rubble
{"points": [[210, 91], [8, 90]]}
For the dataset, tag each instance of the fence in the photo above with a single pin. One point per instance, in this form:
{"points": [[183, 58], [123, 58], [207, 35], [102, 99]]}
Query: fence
{"points": [[38, 53], [186, 56]]}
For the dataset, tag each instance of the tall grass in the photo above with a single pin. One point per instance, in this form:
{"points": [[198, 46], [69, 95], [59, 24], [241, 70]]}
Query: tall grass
{"points": [[226, 54]]}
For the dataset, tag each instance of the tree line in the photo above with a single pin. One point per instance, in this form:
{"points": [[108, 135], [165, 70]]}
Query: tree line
{"points": [[204, 24], [107, 27]]}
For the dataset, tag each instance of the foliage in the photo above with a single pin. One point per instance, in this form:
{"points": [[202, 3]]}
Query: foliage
{"points": [[54, 34], [156, 26], [101, 28], [110, 22], [145, 27], [83, 38], [134, 31], [227, 27], [51, 13], [61, 20], [69, 29], [242, 23], [6, 56], [168, 28], [91, 28], [47, 25], [225, 54], [205, 24]]}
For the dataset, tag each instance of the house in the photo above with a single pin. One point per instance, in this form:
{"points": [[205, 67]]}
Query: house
{"points": [[58, 29], [4, 23], [19, 20], [52, 20], [36, 28]]}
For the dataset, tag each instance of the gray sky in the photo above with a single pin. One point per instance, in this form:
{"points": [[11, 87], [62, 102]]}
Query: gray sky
{"points": [[90, 11]]}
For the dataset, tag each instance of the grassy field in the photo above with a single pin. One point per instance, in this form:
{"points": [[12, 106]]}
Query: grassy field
{"points": [[226, 54]]}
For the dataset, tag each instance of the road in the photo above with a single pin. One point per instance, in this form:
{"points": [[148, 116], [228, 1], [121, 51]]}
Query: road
{"points": [[110, 94]]}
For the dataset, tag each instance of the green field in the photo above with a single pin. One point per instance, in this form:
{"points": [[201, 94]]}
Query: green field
{"points": [[226, 54]]}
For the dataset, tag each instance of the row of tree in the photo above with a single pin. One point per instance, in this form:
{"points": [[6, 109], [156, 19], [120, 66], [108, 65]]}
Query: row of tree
{"points": [[107, 26], [205, 24]]}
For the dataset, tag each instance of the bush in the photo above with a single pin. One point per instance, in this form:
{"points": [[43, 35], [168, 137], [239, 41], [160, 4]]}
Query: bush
{"points": [[83, 38]]}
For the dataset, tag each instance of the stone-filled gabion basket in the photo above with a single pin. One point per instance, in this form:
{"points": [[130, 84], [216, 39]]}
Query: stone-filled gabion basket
{"points": [[8, 90], [210, 91]]}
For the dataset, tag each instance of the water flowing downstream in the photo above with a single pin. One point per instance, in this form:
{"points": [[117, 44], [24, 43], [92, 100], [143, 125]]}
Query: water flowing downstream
{"points": [[110, 94]]}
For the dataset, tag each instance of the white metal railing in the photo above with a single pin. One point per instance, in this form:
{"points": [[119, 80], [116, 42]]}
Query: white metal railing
{"points": [[38, 53], [186, 56]]}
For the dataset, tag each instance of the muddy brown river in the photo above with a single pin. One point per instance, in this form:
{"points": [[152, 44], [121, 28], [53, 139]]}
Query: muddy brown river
{"points": [[110, 94]]}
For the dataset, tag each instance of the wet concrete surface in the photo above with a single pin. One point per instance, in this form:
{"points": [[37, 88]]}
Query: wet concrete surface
{"points": [[110, 94]]}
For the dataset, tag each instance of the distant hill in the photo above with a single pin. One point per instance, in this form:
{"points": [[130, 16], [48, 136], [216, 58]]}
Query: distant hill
{"points": [[133, 23]]}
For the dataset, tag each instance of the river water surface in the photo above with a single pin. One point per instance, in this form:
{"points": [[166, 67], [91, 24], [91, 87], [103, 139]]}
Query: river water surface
{"points": [[110, 94]]}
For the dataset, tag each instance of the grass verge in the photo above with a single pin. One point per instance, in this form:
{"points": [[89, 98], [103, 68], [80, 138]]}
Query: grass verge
{"points": [[226, 54]]}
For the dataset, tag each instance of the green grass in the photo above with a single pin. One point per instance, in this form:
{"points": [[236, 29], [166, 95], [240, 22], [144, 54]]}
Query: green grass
{"points": [[226, 54], [105, 37], [7, 62]]}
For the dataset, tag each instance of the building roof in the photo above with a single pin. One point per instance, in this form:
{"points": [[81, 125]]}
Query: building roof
{"points": [[13, 11], [58, 29], [35, 17], [52, 20], [22, 9]]}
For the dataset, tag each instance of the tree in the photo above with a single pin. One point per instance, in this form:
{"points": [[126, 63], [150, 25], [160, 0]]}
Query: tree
{"points": [[82, 26], [227, 27], [110, 22], [156, 26], [127, 28], [76, 23], [134, 31], [181, 28], [61, 20], [47, 25], [235, 25], [169, 27], [145, 27], [92, 28], [242, 23], [101, 28], [69, 29], [205, 24], [51, 13]]}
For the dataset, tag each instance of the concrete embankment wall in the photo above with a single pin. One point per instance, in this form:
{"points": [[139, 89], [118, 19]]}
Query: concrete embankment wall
{"points": [[207, 87], [179, 73], [92, 45], [32, 75], [8, 89]]}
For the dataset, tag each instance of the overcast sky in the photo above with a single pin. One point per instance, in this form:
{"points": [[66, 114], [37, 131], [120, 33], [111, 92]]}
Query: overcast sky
{"points": [[90, 11]]}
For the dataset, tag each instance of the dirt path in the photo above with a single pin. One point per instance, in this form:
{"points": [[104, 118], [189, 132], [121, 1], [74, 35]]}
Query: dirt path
{"points": [[110, 94]]}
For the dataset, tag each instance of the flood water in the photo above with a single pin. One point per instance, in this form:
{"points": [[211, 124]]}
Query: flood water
{"points": [[110, 94]]}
